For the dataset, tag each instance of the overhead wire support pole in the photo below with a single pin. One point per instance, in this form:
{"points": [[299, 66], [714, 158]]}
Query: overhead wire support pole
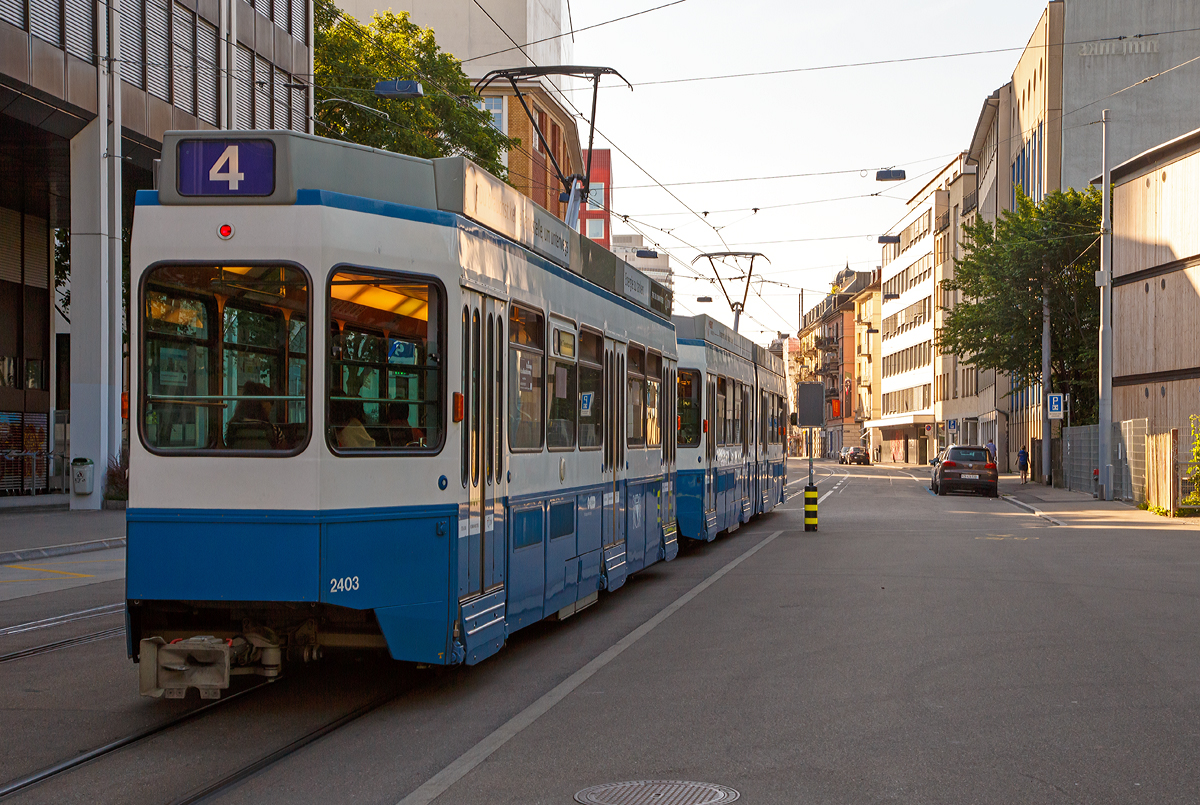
{"points": [[736, 307], [1104, 281]]}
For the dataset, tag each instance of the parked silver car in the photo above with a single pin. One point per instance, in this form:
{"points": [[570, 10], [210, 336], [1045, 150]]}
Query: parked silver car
{"points": [[968, 468]]}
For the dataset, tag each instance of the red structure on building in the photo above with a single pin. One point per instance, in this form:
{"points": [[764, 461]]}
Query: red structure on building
{"points": [[595, 218]]}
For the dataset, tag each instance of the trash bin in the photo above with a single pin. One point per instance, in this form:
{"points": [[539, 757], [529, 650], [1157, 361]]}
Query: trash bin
{"points": [[82, 476]]}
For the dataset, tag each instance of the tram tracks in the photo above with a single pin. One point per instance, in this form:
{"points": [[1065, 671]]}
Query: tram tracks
{"points": [[30, 780], [106, 610], [46, 648]]}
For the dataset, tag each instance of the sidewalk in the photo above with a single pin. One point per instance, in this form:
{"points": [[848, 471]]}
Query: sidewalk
{"points": [[1081, 509], [34, 534]]}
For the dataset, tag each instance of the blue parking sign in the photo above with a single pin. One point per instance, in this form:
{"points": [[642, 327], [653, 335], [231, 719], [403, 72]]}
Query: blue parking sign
{"points": [[226, 168], [1055, 405]]}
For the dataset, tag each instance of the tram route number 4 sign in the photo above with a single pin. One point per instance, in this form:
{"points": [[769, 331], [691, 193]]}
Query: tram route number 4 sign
{"points": [[1054, 403], [226, 168]]}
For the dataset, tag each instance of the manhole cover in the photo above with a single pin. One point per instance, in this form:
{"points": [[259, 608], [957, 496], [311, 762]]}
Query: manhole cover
{"points": [[657, 792]]}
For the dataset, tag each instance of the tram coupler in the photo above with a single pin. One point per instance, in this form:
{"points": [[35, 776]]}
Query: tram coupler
{"points": [[810, 508], [205, 663]]}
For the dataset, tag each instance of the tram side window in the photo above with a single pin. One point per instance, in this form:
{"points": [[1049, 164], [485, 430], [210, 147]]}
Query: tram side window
{"points": [[225, 359], [560, 389], [690, 390], [653, 400], [527, 362], [721, 423], [385, 363], [636, 397], [736, 390], [591, 390]]}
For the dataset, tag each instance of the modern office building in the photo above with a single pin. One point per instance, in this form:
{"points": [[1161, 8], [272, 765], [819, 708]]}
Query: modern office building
{"points": [[86, 92]]}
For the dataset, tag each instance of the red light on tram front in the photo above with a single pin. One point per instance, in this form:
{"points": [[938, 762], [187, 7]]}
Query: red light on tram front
{"points": [[225, 231], [706, 426]]}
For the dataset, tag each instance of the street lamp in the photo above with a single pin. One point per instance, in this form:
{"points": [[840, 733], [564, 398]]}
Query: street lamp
{"points": [[891, 175], [885, 239], [703, 298], [398, 89], [889, 296]]}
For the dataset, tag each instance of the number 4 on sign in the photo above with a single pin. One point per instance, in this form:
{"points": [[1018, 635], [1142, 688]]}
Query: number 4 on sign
{"points": [[229, 160]]}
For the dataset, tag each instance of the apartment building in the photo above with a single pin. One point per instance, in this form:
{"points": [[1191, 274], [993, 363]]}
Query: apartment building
{"points": [[831, 330], [907, 417], [595, 216], [77, 138], [868, 321]]}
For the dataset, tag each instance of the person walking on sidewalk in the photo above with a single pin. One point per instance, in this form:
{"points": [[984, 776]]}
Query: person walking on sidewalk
{"points": [[1023, 464], [991, 446]]}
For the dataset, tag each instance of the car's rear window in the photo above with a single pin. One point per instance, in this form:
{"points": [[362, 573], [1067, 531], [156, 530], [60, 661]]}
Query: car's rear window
{"points": [[969, 454]]}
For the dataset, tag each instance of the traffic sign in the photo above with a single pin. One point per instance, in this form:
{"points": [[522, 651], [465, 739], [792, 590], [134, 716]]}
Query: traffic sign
{"points": [[1055, 402], [952, 424]]}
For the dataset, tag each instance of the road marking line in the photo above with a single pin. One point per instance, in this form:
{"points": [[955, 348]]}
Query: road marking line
{"points": [[48, 570], [437, 785]]}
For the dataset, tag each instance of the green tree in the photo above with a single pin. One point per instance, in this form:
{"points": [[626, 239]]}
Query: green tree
{"points": [[351, 57], [998, 323]]}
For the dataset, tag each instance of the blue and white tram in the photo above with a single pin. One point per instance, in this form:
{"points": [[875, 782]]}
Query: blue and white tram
{"points": [[377, 405], [732, 403]]}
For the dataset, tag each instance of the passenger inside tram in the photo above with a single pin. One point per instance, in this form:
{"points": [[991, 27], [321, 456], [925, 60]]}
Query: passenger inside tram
{"points": [[251, 427]]}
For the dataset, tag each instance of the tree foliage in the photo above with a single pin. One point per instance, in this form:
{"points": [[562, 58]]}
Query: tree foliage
{"points": [[351, 57], [998, 323]]}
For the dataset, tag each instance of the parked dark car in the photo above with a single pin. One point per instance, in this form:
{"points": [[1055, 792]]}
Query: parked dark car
{"points": [[845, 451], [858, 455], [967, 468]]}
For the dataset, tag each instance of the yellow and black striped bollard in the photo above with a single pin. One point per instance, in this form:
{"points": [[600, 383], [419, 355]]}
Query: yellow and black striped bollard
{"points": [[810, 508]]}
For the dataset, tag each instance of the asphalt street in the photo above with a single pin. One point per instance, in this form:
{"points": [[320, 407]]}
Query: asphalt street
{"points": [[915, 649]]}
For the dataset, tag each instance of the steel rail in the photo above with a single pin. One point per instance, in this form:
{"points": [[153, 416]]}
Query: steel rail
{"points": [[230, 781], [59, 620], [37, 777], [61, 644]]}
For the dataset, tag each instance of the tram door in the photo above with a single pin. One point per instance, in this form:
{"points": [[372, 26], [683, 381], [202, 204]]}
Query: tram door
{"points": [[710, 449], [613, 529], [482, 445]]}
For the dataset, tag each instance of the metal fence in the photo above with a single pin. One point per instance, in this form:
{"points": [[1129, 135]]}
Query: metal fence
{"points": [[1080, 450]]}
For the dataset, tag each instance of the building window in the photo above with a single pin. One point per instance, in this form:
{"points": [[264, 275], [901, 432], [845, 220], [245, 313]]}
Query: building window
{"points": [[495, 107], [595, 197], [595, 228]]}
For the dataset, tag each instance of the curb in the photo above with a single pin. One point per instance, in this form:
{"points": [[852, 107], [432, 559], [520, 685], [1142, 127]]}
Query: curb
{"points": [[27, 554], [1032, 510]]}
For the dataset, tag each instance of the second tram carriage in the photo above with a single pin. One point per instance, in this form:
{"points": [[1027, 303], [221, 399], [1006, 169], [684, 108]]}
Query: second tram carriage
{"points": [[733, 412], [389, 402]]}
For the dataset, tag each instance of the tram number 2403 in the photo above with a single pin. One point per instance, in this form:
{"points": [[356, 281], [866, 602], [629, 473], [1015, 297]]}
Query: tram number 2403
{"points": [[343, 585]]}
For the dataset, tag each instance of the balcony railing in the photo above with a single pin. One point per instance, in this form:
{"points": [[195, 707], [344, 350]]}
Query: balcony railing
{"points": [[970, 202], [943, 222]]}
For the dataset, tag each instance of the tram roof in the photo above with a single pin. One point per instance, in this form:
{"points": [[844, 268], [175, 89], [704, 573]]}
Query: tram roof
{"points": [[273, 166], [705, 328]]}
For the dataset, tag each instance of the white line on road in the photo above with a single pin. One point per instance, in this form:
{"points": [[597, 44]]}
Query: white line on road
{"points": [[845, 478], [440, 782]]}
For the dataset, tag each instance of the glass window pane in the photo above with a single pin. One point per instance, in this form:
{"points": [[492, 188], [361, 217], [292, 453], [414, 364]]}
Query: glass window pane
{"points": [[385, 379], [689, 407], [225, 358], [525, 399], [560, 389], [591, 406], [653, 425]]}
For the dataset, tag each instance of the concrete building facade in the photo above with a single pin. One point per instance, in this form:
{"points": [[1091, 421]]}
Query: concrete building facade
{"points": [[77, 138]]}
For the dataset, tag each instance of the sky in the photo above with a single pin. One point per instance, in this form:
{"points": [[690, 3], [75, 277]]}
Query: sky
{"points": [[915, 115]]}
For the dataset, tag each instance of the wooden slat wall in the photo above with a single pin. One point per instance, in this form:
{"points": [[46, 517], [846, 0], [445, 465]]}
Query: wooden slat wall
{"points": [[1172, 410], [1179, 223], [1135, 225]]}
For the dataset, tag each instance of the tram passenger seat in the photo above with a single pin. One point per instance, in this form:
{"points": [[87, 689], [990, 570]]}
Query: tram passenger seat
{"points": [[250, 436]]}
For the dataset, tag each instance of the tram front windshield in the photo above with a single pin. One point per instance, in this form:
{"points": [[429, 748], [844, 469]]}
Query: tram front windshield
{"points": [[225, 358]]}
